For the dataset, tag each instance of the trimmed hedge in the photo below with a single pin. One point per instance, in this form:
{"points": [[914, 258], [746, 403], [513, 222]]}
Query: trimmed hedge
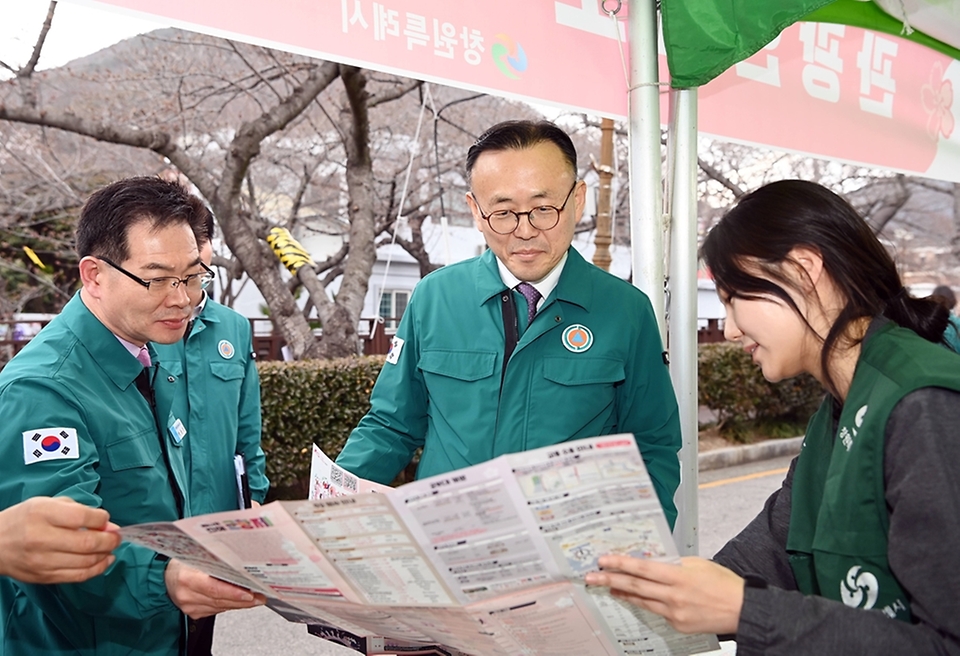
{"points": [[310, 401], [731, 385]]}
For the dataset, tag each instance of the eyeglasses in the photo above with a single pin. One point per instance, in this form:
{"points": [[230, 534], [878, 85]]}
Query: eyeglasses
{"points": [[544, 217], [195, 282]]}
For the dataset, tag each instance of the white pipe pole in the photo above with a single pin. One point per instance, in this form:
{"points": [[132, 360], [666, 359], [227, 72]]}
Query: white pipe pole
{"points": [[682, 143], [646, 204]]}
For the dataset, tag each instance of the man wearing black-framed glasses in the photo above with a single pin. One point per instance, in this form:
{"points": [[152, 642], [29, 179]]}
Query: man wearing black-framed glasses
{"points": [[88, 414], [525, 346], [159, 287], [217, 361]]}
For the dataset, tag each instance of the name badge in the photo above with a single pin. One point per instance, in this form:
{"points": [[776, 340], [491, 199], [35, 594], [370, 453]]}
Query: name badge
{"points": [[177, 431]]}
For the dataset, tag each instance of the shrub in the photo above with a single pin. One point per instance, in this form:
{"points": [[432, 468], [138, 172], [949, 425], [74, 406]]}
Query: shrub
{"points": [[312, 401], [731, 385], [321, 401]]}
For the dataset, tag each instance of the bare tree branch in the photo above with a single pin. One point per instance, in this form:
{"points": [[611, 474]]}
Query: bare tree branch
{"points": [[31, 65]]}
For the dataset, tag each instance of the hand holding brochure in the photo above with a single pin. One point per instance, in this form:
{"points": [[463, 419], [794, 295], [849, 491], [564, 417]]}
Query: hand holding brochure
{"points": [[484, 560]]}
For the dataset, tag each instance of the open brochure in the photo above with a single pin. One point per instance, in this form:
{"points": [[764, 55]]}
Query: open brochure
{"points": [[483, 560]]}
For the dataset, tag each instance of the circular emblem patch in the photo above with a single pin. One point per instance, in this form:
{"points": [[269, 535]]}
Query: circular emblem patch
{"points": [[226, 349], [50, 443], [577, 338]]}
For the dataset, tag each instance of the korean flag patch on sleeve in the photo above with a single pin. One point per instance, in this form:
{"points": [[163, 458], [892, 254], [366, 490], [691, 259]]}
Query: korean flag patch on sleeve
{"points": [[50, 444], [393, 355]]}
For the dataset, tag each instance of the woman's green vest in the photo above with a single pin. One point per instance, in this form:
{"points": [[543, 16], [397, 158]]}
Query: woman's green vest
{"points": [[839, 521]]}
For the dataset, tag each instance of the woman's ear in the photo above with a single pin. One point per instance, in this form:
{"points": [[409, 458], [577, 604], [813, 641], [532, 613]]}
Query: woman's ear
{"points": [[810, 261]]}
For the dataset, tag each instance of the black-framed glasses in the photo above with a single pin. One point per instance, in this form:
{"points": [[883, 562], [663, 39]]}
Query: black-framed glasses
{"points": [[195, 282], [543, 217]]}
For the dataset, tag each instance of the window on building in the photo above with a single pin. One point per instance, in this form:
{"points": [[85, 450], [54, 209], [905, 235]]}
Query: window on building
{"points": [[393, 302]]}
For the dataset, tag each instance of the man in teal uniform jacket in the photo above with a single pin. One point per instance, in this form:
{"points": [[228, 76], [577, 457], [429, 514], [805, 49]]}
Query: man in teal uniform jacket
{"points": [[223, 392], [589, 362], [84, 419], [216, 360]]}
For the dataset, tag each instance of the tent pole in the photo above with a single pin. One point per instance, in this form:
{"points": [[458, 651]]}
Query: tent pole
{"points": [[646, 204], [682, 144]]}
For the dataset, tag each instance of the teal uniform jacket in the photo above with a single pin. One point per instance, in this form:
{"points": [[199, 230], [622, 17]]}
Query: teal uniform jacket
{"points": [[223, 399], [72, 387], [951, 336], [590, 363]]}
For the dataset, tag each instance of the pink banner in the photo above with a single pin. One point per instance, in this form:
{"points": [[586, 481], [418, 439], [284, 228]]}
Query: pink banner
{"points": [[828, 90], [843, 93], [540, 51]]}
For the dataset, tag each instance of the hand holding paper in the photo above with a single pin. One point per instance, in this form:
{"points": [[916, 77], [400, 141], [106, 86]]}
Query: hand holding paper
{"points": [[695, 596], [200, 595]]}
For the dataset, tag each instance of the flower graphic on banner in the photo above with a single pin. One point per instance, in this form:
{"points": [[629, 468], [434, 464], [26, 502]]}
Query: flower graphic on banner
{"points": [[509, 56], [937, 98]]}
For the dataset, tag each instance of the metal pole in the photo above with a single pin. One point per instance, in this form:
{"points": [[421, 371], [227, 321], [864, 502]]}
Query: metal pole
{"points": [[682, 143], [646, 204]]}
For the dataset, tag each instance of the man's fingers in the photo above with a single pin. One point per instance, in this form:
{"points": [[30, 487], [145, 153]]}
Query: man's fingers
{"points": [[99, 541], [200, 595], [223, 591], [67, 513], [73, 570]]}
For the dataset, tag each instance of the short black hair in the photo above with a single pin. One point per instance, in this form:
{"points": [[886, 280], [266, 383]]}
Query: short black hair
{"points": [[517, 135], [204, 229], [108, 214]]}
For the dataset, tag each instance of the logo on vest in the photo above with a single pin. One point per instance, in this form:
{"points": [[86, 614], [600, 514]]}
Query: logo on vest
{"points": [[847, 435], [860, 588]]}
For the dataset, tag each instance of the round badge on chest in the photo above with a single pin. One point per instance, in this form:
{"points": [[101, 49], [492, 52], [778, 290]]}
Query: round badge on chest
{"points": [[577, 338], [226, 349]]}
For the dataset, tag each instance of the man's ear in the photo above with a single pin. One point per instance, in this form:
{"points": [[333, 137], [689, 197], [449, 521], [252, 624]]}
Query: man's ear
{"points": [[810, 261], [475, 210], [90, 273], [580, 198]]}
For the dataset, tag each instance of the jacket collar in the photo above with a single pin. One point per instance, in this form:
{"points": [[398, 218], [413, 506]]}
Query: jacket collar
{"points": [[575, 285], [102, 345]]}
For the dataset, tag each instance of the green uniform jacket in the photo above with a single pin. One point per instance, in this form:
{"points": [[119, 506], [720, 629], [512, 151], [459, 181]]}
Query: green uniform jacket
{"points": [[223, 400], [951, 336], [839, 517], [76, 375], [440, 388]]}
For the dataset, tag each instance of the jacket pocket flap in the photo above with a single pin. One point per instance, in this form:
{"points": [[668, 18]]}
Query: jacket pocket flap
{"points": [[140, 450], [462, 365], [578, 370], [227, 370]]}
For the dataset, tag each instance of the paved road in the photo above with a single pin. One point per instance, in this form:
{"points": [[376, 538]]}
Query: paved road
{"points": [[729, 498]]}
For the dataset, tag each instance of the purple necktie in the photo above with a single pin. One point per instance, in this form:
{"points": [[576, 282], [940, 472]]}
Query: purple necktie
{"points": [[144, 356], [533, 297]]}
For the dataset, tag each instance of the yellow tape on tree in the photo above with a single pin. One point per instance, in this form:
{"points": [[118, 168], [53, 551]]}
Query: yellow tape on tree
{"points": [[288, 250], [34, 258]]}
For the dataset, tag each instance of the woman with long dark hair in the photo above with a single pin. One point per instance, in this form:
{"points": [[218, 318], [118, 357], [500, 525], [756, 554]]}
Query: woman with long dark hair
{"points": [[859, 551]]}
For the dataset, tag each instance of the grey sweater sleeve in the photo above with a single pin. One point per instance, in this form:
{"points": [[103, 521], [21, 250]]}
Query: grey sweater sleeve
{"points": [[922, 475]]}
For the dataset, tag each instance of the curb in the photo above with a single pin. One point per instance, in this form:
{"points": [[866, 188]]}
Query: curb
{"points": [[738, 455]]}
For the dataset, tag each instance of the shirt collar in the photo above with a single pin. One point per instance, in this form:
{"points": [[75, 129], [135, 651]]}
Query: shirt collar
{"points": [[545, 286], [202, 304], [132, 348]]}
